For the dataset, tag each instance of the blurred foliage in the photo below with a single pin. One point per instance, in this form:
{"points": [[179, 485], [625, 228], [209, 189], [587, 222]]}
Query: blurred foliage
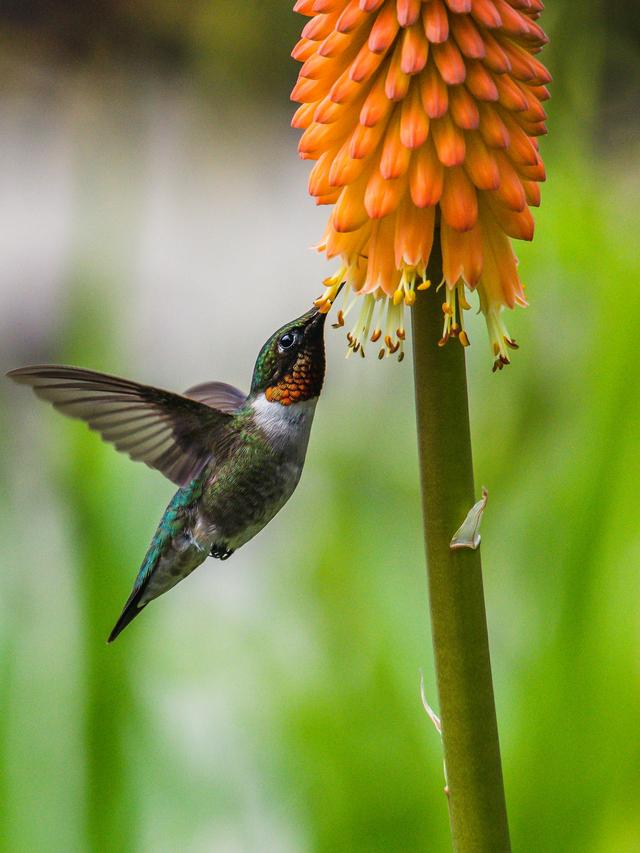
{"points": [[272, 703]]}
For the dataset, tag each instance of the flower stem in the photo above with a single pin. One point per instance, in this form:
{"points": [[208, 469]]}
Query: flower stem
{"points": [[477, 809]]}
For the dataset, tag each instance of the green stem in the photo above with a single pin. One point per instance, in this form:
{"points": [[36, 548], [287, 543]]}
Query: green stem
{"points": [[477, 809]]}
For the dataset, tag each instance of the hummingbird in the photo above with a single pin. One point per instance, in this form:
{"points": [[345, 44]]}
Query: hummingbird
{"points": [[236, 458]]}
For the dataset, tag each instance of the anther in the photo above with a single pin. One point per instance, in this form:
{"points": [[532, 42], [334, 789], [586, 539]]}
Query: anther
{"points": [[376, 335], [400, 332], [381, 354]]}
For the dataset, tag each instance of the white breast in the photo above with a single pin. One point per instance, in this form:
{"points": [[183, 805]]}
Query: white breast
{"points": [[286, 427]]}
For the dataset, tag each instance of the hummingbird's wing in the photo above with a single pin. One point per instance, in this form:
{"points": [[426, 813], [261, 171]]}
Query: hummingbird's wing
{"points": [[217, 394], [174, 434]]}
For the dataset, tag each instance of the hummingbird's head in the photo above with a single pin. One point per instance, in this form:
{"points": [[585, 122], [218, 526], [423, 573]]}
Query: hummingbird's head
{"points": [[290, 366]]}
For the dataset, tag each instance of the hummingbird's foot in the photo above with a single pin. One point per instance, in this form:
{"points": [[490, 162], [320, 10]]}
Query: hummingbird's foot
{"points": [[221, 552]]}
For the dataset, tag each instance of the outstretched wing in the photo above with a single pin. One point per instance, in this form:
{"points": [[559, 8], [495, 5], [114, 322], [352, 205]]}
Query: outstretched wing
{"points": [[169, 432], [217, 394]]}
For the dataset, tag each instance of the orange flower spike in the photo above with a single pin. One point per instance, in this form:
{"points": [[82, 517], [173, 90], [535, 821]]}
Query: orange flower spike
{"points": [[423, 117]]}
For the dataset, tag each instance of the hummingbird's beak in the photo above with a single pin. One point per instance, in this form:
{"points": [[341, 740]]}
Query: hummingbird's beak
{"points": [[313, 321]]}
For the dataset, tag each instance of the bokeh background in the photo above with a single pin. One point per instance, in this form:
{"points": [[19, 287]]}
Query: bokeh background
{"points": [[154, 222]]}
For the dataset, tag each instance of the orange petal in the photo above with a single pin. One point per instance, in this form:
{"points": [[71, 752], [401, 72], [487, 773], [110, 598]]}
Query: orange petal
{"points": [[459, 6], [493, 129], [376, 106], [326, 5], [330, 198], [396, 84], [318, 137], [303, 116], [510, 192], [381, 268], [521, 148], [495, 57], [395, 158], [462, 255], [349, 244], [510, 94], [344, 169], [365, 140], [382, 197], [415, 50], [426, 176], [532, 192], [414, 122], [349, 213], [463, 108], [408, 11], [480, 164], [319, 27], [485, 13], [304, 49], [531, 173], [514, 22], [384, 29], [345, 90], [500, 280], [448, 140], [365, 65], [319, 182], [516, 223], [332, 47], [305, 91], [435, 21], [467, 36], [413, 234], [351, 17], [304, 7], [480, 82], [459, 202], [435, 98], [449, 62]]}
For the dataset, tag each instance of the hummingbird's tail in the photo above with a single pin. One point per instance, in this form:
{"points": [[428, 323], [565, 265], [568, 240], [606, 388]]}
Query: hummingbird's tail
{"points": [[131, 609]]}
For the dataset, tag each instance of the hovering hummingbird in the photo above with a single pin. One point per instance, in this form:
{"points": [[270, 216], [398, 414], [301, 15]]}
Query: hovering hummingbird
{"points": [[237, 458]]}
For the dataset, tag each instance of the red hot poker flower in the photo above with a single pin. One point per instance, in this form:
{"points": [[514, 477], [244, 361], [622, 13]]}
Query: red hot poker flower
{"points": [[422, 117]]}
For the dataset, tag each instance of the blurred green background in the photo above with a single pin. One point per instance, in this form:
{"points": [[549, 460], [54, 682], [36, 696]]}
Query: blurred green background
{"points": [[155, 223]]}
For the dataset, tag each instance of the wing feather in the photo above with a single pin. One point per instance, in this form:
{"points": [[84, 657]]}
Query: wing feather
{"points": [[177, 435]]}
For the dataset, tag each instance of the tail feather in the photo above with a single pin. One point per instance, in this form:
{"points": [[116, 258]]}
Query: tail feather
{"points": [[129, 612]]}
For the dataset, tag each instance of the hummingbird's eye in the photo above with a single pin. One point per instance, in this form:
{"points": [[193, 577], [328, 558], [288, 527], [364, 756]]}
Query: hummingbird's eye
{"points": [[287, 340]]}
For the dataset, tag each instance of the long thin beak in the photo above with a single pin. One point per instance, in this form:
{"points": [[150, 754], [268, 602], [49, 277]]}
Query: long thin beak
{"points": [[313, 319]]}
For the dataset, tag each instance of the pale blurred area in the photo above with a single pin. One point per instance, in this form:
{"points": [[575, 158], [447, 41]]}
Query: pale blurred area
{"points": [[154, 223]]}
